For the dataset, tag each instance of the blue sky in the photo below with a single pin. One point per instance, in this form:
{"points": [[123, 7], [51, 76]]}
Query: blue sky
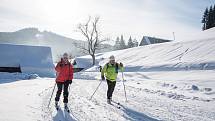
{"points": [[159, 18]]}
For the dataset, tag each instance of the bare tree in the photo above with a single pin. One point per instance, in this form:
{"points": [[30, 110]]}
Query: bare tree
{"points": [[90, 31]]}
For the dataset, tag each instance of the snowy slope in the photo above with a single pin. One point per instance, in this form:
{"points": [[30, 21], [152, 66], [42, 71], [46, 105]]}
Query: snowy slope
{"points": [[196, 54], [152, 96], [203, 35], [169, 82], [191, 55]]}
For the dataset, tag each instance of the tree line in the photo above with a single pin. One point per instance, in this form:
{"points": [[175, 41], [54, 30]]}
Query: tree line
{"points": [[120, 43], [208, 18]]}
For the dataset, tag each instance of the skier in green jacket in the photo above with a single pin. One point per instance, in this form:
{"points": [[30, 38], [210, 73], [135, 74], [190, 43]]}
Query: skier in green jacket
{"points": [[110, 71]]}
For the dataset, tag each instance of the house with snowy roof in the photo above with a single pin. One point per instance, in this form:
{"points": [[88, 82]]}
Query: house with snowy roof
{"points": [[26, 59], [152, 40]]}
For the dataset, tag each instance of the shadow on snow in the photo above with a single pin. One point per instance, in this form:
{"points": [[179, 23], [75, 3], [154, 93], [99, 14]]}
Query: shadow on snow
{"points": [[63, 116], [133, 115]]}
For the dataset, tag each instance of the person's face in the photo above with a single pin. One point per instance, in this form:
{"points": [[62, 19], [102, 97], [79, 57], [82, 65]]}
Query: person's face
{"points": [[65, 58], [112, 61]]}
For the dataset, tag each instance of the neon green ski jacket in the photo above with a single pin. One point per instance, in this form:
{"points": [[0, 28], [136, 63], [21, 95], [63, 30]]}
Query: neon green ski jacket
{"points": [[111, 71]]}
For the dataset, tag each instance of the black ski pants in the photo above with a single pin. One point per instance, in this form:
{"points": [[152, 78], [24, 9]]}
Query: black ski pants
{"points": [[111, 86], [62, 86]]}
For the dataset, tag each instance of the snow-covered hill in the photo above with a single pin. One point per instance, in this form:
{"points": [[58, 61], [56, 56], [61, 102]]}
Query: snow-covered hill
{"points": [[192, 55], [58, 43], [203, 35], [169, 82], [32, 36], [172, 56]]}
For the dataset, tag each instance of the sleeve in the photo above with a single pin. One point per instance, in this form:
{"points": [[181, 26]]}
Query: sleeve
{"points": [[71, 69], [104, 70], [74, 64], [58, 68]]}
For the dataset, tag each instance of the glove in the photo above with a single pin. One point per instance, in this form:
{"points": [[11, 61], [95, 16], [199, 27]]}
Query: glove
{"points": [[69, 81], [103, 77], [74, 62], [121, 64], [100, 68]]}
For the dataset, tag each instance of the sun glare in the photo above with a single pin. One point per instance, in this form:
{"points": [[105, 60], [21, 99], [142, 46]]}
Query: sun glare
{"points": [[60, 10]]}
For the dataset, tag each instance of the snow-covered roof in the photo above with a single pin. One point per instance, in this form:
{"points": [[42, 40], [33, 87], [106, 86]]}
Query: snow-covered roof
{"points": [[152, 40], [31, 59]]}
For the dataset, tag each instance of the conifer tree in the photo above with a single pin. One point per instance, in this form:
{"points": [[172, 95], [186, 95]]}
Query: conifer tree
{"points": [[130, 43], [205, 19], [122, 43], [117, 44]]}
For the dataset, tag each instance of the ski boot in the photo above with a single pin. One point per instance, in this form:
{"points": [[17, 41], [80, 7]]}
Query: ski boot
{"points": [[56, 105], [66, 107], [109, 101]]}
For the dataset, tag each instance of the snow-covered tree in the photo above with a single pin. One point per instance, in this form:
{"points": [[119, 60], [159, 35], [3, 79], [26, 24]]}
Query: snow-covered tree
{"points": [[208, 18], [130, 43], [122, 43], [135, 43], [117, 44], [205, 19], [213, 13]]}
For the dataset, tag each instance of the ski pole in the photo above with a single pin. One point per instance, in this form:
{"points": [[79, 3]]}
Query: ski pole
{"points": [[124, 86], [52, 94], [95, 90], [69, 88]]}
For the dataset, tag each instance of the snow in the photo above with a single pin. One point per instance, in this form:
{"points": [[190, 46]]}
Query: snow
{"points": [[31, 59], [86, 61], [171, 56], [172, 81], [151, 96], [11, 77], [203, 35]]}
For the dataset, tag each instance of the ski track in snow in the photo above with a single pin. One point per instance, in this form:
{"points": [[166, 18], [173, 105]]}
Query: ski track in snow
{"points": [[152, 96], [143, 104], [85, 109], [172, 81]]}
